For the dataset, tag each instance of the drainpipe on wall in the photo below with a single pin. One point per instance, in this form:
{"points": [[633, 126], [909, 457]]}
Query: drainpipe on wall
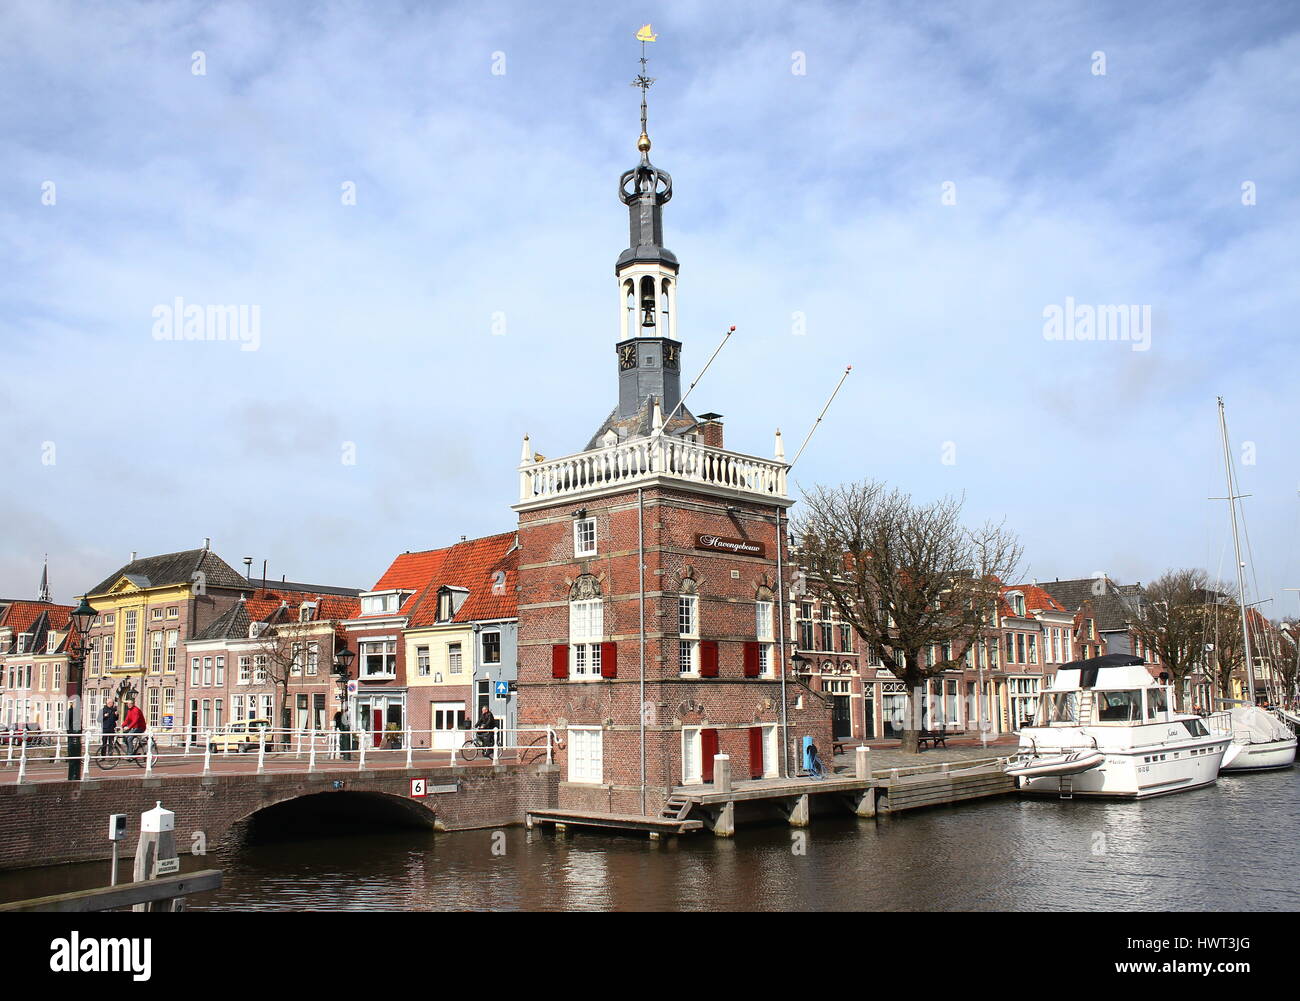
{"points": [[780, 610], [640, 572]]}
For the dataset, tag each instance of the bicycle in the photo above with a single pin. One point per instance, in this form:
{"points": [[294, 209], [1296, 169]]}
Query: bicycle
{"points": [[124, 747], [480, 747]]}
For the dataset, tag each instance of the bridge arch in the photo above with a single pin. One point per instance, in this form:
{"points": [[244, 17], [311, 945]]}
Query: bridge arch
{"points": [[331, 813]]}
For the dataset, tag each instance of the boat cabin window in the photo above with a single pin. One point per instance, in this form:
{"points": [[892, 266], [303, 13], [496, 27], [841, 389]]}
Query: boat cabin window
{"points": [[1063, 707], [1157, 702], [1119, 707]]}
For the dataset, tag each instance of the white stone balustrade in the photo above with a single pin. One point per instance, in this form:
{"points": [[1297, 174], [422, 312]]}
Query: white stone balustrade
{"points": [[634, 463]]}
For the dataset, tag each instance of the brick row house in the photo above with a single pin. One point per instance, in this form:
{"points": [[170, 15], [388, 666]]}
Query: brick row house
{"points": [[435, 639], [33, 662], [270, 656], [651, 571]]}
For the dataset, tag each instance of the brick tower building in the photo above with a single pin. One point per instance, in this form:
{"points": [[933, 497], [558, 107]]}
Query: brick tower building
{"points": [[651, 605]]}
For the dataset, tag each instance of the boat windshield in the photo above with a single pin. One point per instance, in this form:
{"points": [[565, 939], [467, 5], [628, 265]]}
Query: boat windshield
{"points": [[1157, 702], [1119, 707], [1063, 707]]}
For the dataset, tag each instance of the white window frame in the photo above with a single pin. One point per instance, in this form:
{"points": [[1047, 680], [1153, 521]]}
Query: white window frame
{"points": [[586, 632], [688, 635], [764, 629], [584, 537], [586, 755]]}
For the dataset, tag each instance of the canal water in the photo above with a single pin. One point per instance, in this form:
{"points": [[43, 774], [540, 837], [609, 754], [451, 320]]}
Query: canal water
{"points": [[1228, 847]]}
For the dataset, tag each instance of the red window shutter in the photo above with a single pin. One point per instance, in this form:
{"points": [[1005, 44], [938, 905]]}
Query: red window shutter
{"points": [[709, 659], [755, 752], [560, 660], [609, 660], [751, 659], [708, 748]]}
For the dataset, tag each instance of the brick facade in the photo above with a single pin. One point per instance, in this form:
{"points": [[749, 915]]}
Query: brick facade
{"points": [[728, 586]]}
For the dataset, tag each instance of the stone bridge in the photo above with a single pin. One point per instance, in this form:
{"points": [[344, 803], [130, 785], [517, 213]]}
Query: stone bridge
{"points": [[54, 821]]}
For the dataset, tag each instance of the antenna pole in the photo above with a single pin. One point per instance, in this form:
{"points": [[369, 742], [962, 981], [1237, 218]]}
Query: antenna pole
{"points": [[682, 402], [808, 438], [1236, 547]]}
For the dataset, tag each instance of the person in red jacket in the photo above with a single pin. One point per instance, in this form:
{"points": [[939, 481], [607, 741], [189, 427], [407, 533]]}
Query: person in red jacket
{"points": [[132, 723]]}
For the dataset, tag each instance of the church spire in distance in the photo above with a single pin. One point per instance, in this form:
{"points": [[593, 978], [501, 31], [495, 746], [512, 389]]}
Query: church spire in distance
{"points": [[43, 591]]}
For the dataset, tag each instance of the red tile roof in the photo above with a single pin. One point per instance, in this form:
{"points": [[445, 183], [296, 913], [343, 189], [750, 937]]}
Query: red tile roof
{"points": [[486, 568], [21, 615], [1036, 600]]}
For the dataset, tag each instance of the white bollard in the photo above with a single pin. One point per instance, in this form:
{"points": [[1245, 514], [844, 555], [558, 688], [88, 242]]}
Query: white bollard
{"points": [[58, 744], [85, 757], [148, 754], [22, 762], [311, 752], [261, 756], [207, 755], [408, 747], [364, 742]]}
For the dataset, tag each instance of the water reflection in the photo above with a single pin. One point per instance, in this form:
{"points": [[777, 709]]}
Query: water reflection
{"points": [[1223, 848]]}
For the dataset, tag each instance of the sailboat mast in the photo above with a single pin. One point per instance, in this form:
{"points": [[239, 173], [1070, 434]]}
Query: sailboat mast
{"points": [[1236, 548]]}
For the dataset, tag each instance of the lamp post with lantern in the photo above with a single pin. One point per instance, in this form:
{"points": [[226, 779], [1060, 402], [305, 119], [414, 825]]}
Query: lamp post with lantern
{"points": [[81, 618], [342, 673]]}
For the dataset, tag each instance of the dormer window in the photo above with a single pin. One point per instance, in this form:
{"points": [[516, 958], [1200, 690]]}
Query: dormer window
{"points": [[1017, 602], [24, 640], [51, 643], [444, 606], [449, 601], [306, 610], [383, 603], [255, 629]]}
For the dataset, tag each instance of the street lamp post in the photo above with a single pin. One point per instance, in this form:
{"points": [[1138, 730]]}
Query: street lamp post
{"points": [[81, 618], [342, 670]]}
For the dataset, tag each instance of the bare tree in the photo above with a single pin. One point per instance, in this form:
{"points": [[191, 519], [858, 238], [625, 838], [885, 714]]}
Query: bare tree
{"points": [[283, 650], [1169, 621], [906, 577]]}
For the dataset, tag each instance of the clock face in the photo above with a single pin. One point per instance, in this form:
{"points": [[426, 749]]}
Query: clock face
{"points": [[627, 356], [670, 356]]}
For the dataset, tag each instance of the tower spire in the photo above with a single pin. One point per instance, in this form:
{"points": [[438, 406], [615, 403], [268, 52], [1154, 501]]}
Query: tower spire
{"points": [[645, 82], [43, 592]]}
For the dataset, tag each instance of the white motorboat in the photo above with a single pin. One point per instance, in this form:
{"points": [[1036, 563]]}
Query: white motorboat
{"points": [[1112, 707], [1260, 740]]}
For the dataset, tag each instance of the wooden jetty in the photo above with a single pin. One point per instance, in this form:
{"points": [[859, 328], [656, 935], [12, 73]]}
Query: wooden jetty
{"points": [[863, 793]]}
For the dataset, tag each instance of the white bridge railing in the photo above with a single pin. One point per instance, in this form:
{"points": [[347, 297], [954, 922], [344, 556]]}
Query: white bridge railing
{"points": [[287, 750], [628, 463]]}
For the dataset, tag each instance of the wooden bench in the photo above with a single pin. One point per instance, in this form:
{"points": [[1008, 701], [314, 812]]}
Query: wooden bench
{"points": [[936, 738]]}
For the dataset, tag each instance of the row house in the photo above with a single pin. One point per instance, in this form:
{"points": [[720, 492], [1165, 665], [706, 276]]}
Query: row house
{"points": [[271, 656], [460, 644], [435, 639], [146, 612], [34, 639]]}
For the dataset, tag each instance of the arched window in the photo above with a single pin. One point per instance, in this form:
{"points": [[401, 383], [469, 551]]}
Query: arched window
{"points": [[586, 627], [629, 320], [648, 305], [665, 304]]}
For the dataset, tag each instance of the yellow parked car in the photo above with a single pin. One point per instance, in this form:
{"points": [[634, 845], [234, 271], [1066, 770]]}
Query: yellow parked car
{"points": [[244, 735]]}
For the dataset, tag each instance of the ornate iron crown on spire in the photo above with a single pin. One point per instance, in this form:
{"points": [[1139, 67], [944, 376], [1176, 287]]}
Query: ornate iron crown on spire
{"points": [[645, 188]]}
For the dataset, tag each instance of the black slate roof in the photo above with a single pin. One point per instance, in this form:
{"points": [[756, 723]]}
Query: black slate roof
{"points": [[176, 568], [1111, 609], [639, 425], [230, 624]]}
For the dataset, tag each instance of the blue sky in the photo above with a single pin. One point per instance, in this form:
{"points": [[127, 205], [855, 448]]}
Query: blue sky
{"points": [[816, 194]]}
